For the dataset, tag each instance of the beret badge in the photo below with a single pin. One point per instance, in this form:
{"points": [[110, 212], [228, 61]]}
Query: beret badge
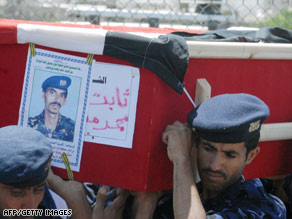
{"points": [[254, 126], [63, 82]]}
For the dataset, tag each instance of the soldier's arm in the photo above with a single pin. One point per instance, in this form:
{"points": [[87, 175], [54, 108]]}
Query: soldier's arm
{"points": [[73, 193], [186, 200]]}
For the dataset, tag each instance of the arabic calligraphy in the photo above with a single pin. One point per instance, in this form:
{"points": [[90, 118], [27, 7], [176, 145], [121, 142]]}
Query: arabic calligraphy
{"points": [[60, 147], [114, 99], [114, 102], [119, 123], [58, 66], [99, 80]]}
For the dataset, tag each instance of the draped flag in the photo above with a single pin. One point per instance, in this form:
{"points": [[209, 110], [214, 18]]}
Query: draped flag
{"points": [[167, 56]]}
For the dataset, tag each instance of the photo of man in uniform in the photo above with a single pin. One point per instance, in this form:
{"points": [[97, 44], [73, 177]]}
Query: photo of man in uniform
{"points": [[50, 122]]}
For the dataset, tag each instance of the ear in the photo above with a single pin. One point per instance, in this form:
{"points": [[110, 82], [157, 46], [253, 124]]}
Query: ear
{"points": [[252, 154], [43, 95]]}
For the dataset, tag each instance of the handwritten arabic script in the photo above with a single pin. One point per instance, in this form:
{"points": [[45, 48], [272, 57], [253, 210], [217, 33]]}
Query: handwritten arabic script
{"points": [[114, 99], [112, 105]]}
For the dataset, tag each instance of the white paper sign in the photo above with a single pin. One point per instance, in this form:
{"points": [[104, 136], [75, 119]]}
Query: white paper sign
{"points": [[54, 102], [112, 104]]}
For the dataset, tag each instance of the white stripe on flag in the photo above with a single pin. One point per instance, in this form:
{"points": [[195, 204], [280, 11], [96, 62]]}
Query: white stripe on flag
{"points": [[67, 38]]}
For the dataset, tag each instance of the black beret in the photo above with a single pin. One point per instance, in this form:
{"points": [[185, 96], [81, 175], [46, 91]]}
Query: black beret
{"points": [[24, 158], [61, 82], [229, 118]]}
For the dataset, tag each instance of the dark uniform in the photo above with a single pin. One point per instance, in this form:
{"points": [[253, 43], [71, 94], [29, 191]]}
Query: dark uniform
{"points": [[287, 186], [243, 199], [64, 129]]}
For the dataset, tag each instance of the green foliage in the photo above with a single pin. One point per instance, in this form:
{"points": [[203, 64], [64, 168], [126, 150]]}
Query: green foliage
{"points": [[283, 19]]}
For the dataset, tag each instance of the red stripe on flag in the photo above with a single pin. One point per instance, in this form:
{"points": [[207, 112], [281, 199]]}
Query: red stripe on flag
{"points": [[8, 32]]}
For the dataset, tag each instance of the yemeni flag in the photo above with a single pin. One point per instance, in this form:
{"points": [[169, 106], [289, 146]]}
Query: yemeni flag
{"points": [[167, 55]]}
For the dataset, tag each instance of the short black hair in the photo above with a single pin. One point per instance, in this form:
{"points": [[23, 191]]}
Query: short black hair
{"points": [[252, 142]]}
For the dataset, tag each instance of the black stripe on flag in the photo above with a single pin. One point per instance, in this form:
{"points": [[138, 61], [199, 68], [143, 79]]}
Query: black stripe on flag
{"points": [[167, 56]]}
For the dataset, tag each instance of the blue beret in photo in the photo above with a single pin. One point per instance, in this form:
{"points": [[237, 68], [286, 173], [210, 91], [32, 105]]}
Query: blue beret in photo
{"points": [[24, 158], [61, 82], [229, 118]]}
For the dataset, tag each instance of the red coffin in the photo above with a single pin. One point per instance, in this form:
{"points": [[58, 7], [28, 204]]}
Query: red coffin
{"points": [[146, 167]]}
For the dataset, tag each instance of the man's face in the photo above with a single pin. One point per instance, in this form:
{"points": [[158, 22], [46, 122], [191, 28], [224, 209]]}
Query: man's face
{"points": [[54, 99], [221, 164], [20, 198]]}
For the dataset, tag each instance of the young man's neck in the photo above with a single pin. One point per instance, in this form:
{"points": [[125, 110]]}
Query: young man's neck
{"points": [[210, 194]]}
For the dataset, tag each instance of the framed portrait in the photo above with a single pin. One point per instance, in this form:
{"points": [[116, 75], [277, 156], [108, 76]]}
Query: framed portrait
{"points": [[54, 102]]}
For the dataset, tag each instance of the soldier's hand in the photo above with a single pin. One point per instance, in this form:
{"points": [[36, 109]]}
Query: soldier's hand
{"points": [[73, 193], [178, 138], [65, 189], [114, 210], [144, 204]]}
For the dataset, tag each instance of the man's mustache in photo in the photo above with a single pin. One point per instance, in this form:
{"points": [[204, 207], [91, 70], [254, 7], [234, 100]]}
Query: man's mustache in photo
{"points": [[57, 103]]}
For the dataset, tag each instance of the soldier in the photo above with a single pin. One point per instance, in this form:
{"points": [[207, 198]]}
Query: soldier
{"points": [[50, 122], [25, 172], [24, 167], [226, 131]]}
